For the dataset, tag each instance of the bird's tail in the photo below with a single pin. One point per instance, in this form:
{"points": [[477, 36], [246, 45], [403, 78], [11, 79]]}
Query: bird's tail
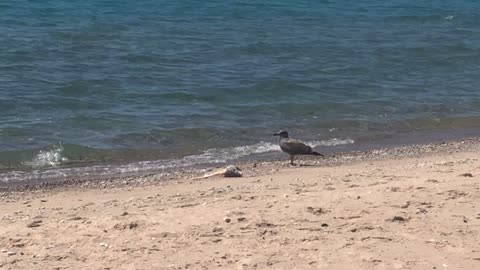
{"points": [[317, 154]]}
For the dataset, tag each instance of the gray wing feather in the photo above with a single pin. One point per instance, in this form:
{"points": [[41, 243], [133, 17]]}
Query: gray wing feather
{"points": [[295, 147]]}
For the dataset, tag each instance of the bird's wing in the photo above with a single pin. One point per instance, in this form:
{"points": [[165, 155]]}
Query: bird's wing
{"points": [[295, 147]]}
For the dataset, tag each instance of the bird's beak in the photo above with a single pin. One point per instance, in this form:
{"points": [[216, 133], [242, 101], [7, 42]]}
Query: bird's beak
{"points": [[276, 134]]}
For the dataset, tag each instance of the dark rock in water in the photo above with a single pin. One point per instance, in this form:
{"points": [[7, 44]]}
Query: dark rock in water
{"points": [[232, 171]]}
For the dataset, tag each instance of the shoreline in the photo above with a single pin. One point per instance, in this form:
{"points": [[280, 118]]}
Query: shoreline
{"points": [[106, 172], [409, 207], [252, 168]]}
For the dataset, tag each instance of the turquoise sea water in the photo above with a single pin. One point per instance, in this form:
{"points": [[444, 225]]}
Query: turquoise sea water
{"points": [[154, 84]]}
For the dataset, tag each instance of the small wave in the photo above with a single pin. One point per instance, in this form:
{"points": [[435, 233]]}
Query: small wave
{"points": [[331, 142], [48, 158], [449, 17], [228, 154]]}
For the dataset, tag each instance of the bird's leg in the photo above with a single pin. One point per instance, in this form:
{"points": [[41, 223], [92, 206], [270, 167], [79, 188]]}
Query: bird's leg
{"points": [[291, 160]]}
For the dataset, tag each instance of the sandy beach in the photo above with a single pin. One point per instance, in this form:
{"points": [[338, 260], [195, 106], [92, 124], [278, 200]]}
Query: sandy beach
{"points": [[410, 212]]}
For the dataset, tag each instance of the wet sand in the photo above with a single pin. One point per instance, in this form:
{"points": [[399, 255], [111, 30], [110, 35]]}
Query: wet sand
{"points": [[413, 207]]}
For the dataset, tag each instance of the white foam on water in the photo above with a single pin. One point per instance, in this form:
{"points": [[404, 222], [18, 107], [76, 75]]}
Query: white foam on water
{"points": [[48, 158], [331, 142], [54, 157], [213, 156]]}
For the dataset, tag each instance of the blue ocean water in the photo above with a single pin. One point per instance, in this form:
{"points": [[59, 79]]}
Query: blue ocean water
{"points": [[171, 83]]}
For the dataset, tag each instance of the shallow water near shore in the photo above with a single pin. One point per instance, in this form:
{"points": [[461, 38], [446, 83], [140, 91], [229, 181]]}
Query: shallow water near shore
{"points": [[336, 152], [132, 87]]}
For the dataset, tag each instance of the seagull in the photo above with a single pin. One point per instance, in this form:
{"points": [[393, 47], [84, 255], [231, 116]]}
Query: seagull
{"points": [[294, 147]]}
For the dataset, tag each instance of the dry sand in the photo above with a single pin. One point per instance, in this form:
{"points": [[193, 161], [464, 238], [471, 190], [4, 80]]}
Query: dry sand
{"points": [[408, 213]]}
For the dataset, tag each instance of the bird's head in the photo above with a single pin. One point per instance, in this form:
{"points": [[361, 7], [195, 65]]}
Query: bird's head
{"points": [[282, 134]]}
